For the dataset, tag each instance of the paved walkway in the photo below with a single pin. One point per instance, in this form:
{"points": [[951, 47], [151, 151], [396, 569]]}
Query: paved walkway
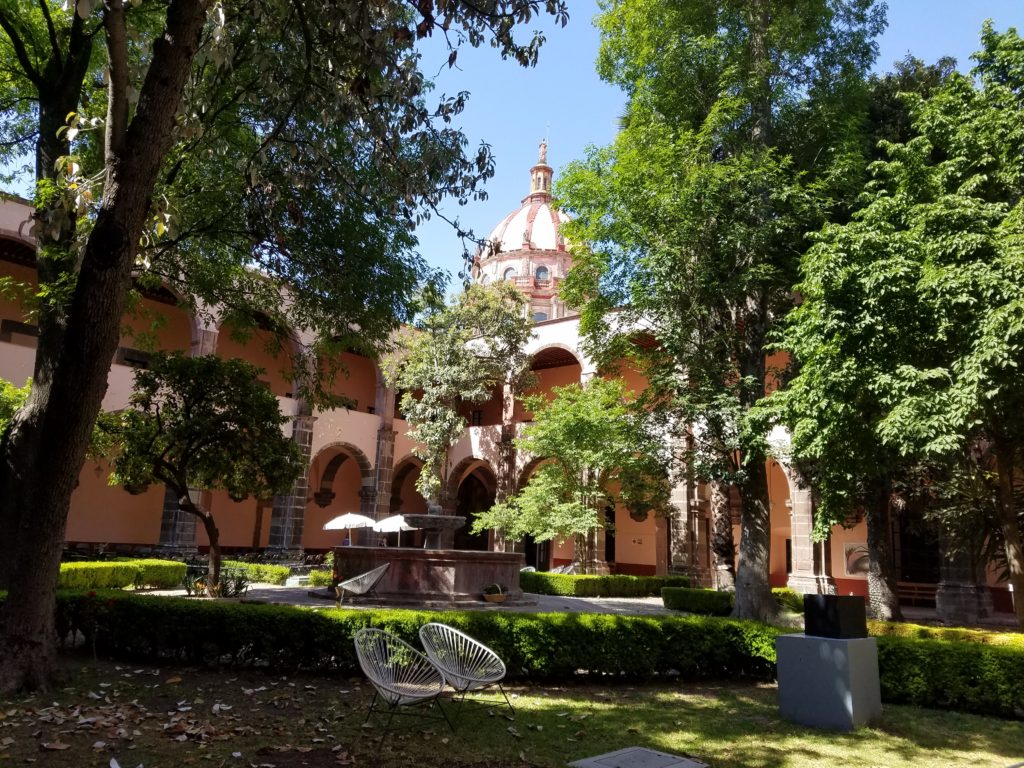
{"points": [[627, 606]]}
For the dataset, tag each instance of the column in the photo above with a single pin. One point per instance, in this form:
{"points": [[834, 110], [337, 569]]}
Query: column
{"points": [[812, 566], [288, 515], [384, 459], [506, 468]]}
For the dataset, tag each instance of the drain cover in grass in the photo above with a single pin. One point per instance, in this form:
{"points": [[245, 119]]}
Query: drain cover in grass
{"points": [[637, 757]]}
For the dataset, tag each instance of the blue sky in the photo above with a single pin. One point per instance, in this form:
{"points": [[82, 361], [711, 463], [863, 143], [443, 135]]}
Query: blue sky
{"points": [[511, 108]]}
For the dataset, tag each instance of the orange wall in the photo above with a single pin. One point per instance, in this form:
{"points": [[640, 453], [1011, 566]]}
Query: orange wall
{"points": [[346, 486], [236, 520], [357, 380], [10, 307], [155, 325], [634, 541], [274, 362], [780, 521], [109, 514], [546, 379]]}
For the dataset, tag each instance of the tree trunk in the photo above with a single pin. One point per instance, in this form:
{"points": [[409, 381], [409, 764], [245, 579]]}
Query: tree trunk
{"points": [[1010, 525], [883, 599], [44, 449], [213, 566], [723, 547], [753, 592]]}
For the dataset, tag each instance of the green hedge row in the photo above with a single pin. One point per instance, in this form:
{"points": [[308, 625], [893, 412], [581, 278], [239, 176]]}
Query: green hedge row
{"points": [[970, 677], [118, 574], [571, 585], [959, 634], [321, 578], [708, 602], [259, 572], [535, 646]]}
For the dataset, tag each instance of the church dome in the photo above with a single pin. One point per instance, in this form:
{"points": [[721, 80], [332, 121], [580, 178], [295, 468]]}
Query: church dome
{"points": [[535, 225], [528, 248]]}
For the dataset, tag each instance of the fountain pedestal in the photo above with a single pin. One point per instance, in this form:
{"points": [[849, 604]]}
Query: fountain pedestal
{"points": [[438, 529], [445, 576]]}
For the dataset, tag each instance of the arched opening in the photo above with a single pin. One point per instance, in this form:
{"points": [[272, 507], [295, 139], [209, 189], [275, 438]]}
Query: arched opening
{"points": [[337, 475], [539, 553], [476, 494], [509, 274], [555, 366], [406, 499], [543, 273]]}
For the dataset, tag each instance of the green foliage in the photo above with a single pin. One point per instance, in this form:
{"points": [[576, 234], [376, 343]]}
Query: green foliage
{"points": [[204, 422], [789, 599], [573, 585], [959, 634], [712, 603], [119, 574], [11, 399], [965, 676], [971, 677], [599, 450], [533, 646], [260, 572], [457, 355], [321, 578], [705, 602]]}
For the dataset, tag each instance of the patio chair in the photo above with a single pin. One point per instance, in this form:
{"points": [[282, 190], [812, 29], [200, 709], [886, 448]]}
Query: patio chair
{"points": [[363, 584], [401, 676], [466, 663]]}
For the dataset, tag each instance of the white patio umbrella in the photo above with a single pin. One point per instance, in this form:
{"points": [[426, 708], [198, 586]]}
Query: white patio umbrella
{"points": [[393, 524], [347, 522]]}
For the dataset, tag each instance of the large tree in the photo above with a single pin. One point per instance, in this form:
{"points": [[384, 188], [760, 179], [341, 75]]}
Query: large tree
{"points": [[454, 357], [910, 335], [742, 129], [204, 423], [191, 141], [600, 450]]}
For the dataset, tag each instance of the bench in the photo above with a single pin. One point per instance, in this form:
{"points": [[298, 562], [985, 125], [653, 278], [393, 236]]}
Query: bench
{"points": [[916, 593]]}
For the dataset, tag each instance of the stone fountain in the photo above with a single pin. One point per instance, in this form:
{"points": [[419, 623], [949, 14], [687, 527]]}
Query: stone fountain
{"points": [[436, 573]]}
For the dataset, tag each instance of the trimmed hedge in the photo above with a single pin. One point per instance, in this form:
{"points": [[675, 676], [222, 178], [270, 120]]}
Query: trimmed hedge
{"points": [[709, 602], [535, 646], [571, 585], [321, 578], [259, 572], [958, 634], [706, 602], [970, 677], [119, 574]]}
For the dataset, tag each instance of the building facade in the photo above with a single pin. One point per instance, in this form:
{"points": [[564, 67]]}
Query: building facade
{"points": [[359, 459]]}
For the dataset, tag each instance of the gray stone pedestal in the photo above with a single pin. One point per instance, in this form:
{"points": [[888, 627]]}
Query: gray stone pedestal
{"points": [[828, 683]]}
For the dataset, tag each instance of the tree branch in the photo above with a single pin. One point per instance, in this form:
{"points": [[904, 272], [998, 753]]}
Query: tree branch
{"points": [[7, 24], [117, 98], [54, 43]]}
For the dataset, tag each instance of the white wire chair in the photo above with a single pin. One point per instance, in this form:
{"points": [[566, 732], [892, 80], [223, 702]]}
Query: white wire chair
{"points": [[401, 676], [363, 584], [467, 664]]}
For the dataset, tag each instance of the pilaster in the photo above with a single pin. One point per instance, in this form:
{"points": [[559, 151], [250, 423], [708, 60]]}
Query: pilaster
{"points": [[288, 515]]}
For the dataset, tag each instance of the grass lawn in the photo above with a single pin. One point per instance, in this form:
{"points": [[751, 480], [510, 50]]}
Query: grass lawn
{"points": [[169, 717]]}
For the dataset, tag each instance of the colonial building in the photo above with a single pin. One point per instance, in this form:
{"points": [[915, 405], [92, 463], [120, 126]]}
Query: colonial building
{"points": [[360, 459]]}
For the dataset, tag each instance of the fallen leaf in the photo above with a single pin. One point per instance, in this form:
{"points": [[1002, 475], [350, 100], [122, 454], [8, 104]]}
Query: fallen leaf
{"points": [[56, 746]]}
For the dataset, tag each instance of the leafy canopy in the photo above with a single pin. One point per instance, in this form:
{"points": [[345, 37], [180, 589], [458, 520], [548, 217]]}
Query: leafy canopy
{"points": [[599, 450]]}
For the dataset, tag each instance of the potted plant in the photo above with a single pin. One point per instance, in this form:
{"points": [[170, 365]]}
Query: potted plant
{"points": [[494, 593]]}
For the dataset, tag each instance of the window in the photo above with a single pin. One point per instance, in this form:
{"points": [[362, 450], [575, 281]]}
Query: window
{"points": [[543, 273], [485, 279], [509, 274], [540, 316], [476, 418]]}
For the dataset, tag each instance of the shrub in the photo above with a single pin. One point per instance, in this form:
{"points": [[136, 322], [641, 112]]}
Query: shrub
{"points": [[970, 677], [571, 585], [320, 578], [916, 631], [535, 646], [260, 572], [162, 574], [707, 602], [789, 599]]}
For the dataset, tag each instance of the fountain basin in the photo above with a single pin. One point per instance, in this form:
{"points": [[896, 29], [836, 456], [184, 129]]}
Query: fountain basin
{"points": [[433, 575]]}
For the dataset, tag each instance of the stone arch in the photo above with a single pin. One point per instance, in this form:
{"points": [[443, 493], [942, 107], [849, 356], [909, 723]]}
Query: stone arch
{"points": [[346, 450], [403, 469], [475, 492], [457, 474], [548, 356], [528, 470]]}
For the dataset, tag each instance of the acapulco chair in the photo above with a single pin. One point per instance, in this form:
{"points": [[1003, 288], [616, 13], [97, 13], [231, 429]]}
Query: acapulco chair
{"points": [[466, 663]]}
